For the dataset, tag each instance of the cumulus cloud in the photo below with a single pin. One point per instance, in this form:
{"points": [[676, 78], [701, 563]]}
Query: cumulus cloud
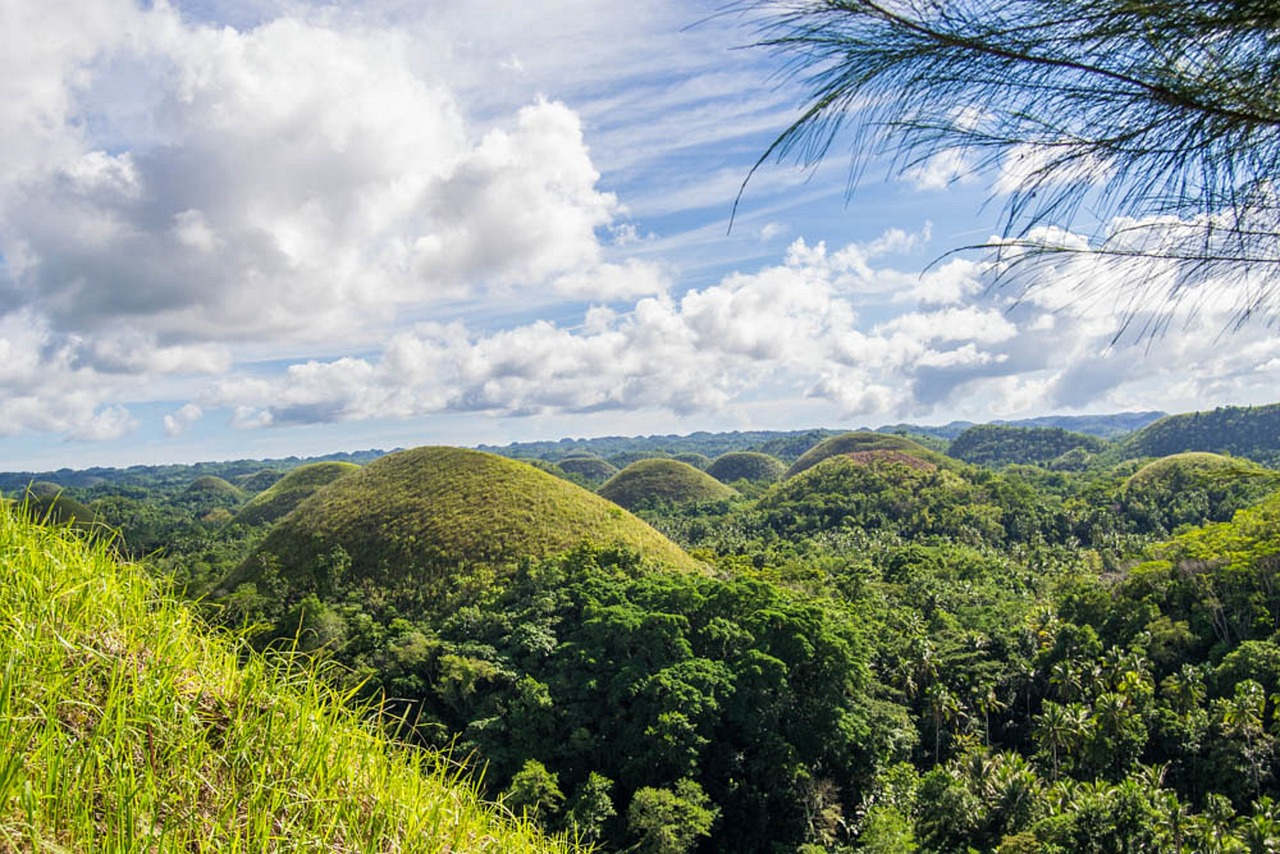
{"points": [[177, 423], [807, 326], [172, 191]]}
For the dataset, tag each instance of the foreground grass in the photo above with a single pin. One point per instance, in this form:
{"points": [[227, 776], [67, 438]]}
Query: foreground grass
{"points": [[124, 726]]}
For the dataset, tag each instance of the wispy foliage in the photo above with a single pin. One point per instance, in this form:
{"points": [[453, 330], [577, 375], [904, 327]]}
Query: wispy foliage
{"points": [[1160, 120]]}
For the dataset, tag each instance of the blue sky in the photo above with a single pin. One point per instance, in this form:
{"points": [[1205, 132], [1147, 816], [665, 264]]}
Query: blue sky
{"points": [[247, 229]]}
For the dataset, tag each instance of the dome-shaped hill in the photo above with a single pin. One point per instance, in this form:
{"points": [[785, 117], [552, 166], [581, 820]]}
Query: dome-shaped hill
{"points": [[1187, 467], [662, 481], [413, 517], [1191, 488], [693, 458], [751, 466], [592, 469], [46, 502], [626, 458], [883, 490], [861, 443], [258, 481], [290, 491], [210, 485]]}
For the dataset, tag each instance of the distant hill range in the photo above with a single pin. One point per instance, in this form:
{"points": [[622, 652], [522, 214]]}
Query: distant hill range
{"points": [[1102, 426], [1244, 431]]}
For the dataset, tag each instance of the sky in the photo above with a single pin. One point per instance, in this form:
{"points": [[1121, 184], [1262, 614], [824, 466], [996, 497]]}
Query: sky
{"points": [[250, 228]]}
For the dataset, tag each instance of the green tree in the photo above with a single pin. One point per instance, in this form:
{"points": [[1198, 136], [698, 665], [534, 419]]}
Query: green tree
{"points": [[1144, 108], [670, 821], [534, 791]]}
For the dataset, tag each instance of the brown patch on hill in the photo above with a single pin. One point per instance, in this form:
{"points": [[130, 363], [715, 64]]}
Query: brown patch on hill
{"points": [[880, 457]]}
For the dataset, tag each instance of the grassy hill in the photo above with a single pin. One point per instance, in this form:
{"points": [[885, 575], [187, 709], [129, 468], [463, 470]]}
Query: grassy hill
{"points": [[410, 520], [591, 469], [291, 490], [126, 727], [746, 465], [851, 443], [650, 482]]}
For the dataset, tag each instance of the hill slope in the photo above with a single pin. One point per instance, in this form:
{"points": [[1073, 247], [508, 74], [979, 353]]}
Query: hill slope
{"points": [[127, 728], [1244, 431], [290, 491], [995, 445]]}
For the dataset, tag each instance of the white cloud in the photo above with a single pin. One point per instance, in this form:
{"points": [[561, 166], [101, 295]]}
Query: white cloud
{"points": [[800, 328], [178, 422], [952, 166]]}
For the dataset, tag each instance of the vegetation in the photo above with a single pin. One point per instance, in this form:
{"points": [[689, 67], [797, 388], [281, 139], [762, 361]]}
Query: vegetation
{"points": [[1192, 488], [852, 443], [651, 482], [1165, 114], [996, 446], [1243, 431], [751, 466], [890, 650], [592, 469], [124, 726], [288, 492], [414, 523]]}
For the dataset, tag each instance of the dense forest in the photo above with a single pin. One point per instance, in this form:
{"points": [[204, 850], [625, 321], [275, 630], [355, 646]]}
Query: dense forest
{"points": [[1021, 639]]}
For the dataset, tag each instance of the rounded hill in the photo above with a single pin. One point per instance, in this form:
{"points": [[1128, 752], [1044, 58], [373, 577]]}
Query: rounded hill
{"points": [[590, 468], [259, 480], [1191, 488], [418, 514], [288, 492], [212, 485], [752, 466], [883, 490], [662, 481], [864, 443]]}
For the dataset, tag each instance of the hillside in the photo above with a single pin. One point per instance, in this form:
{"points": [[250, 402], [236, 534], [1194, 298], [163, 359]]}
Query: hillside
{"points": [[651, 482], [290, 491], [1242, 431], [996, 445], [127, 728], [410, 519]]}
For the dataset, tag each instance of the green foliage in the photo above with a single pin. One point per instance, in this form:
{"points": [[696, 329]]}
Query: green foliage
{"points": [[1192, 488], [657, 482], [899, 493], [1242, 431], [593, 470], [669, 821], [996, 446]]}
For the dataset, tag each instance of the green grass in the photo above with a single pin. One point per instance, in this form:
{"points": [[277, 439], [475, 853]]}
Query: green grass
{"points": [[660, 481], [850, 443], [124, 726], [291, 490]]}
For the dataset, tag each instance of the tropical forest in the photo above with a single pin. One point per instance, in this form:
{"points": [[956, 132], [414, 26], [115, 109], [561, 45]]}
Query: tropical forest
{"points": [[992, 637]]}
